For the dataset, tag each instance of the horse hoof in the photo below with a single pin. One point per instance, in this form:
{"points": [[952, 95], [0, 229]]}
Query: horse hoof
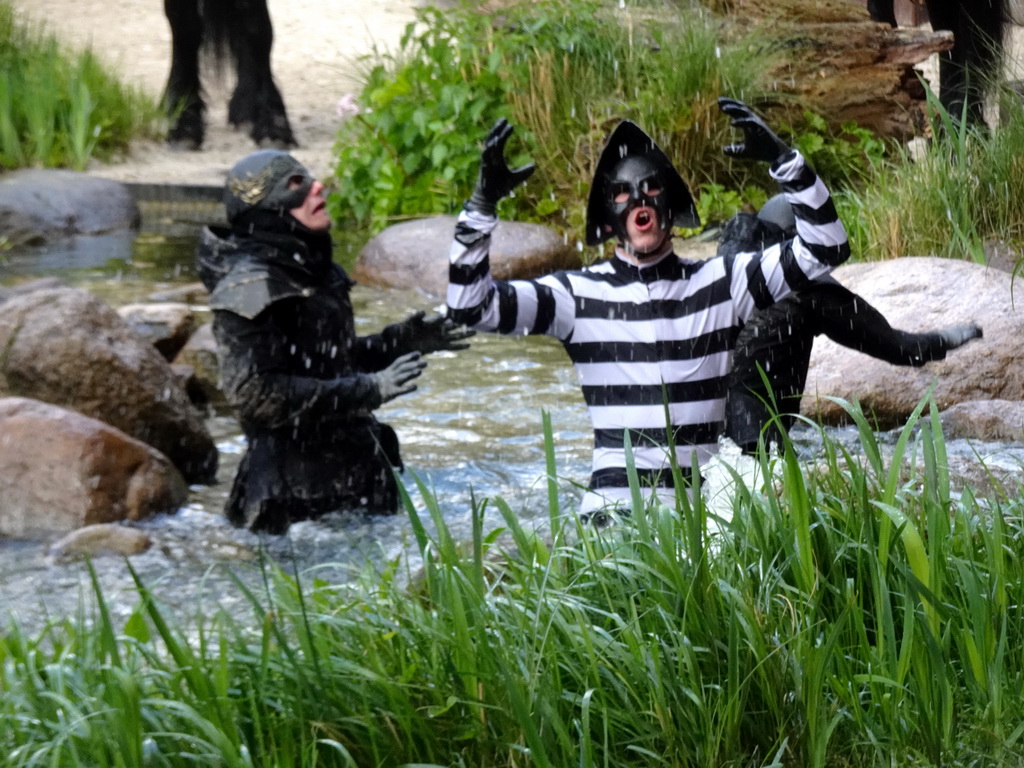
{"points": [[186, 137]]}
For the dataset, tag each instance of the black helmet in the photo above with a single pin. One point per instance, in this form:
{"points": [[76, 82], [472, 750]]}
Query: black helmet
{"points": [[262, 179], [631, 162]]}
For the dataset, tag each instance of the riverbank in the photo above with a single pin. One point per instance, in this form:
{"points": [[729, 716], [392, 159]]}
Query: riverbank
{"points": [[319, 47]]}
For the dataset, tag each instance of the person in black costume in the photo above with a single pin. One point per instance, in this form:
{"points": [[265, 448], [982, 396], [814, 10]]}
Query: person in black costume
{"points": [[776, 343], [303, 385]]}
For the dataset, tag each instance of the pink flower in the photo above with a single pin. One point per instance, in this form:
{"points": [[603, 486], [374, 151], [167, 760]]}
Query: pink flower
{"points": [[347, 106]]}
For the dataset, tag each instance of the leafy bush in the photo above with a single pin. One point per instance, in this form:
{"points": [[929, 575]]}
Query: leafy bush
{"points": [[563, 73]]}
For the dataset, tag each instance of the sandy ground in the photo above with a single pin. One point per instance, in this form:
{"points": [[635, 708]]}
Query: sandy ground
{"points": [[315, 58], [317, 47]]}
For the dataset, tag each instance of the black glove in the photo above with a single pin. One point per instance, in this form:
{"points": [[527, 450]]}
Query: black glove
{"points": [[394, 380], [759, 141], [496, 179], [435, 334]]}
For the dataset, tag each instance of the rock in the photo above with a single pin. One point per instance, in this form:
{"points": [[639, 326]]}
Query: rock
{"points": [[100, 539], [167, 326], [986, 420], [67, 347], [60, 471], [41, 205], [414, 254], [38, 284], [193, 293], [200, 355], [922, 294]]}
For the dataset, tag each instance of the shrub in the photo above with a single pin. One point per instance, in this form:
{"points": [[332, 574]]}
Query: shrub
{"points": [[563, 73]]}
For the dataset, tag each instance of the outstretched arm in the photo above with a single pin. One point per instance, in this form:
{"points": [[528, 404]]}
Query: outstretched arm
{"points": [[475, 298], [417, 333]]}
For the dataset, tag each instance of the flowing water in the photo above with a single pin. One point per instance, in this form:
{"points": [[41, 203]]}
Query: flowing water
{"points": [[473, 428]]}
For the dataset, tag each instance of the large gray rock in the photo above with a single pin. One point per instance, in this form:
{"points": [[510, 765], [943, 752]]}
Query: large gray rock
{"points": [[921, 294], [41, 205], [60, 471], [67, 347], [414, 254]]}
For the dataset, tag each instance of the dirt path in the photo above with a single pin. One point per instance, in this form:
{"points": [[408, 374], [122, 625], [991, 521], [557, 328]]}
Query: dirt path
{"points": [[317, 44]]}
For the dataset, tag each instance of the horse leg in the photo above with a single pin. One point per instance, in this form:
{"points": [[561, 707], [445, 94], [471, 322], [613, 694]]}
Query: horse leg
{"points": [[882, 10], [183, 96], [971, 65], [256, 101]]}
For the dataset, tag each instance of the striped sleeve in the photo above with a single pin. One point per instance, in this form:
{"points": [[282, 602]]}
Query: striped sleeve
{"points": [[760, 279], [544, 306]]}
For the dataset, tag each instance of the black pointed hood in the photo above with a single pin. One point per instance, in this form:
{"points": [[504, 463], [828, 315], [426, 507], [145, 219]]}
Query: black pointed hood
{"points": [[629, 140]]}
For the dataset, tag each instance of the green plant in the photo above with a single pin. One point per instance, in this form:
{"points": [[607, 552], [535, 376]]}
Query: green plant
{"points": [[562, 73], [842, 160], [60, 109]]}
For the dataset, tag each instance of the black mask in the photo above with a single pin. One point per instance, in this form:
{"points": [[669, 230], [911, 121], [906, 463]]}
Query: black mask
{"points": [[636, 183], [632, 163]]}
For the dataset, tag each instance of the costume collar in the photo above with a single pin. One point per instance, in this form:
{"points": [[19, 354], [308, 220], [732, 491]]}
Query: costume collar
{"points": [[668, 267]]}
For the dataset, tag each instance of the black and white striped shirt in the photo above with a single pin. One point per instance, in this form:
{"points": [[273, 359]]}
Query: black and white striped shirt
{"points": [[650, 339]]}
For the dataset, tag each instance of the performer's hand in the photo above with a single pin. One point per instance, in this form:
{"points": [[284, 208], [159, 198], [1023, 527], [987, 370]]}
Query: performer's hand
{"points": [[496, 179], [759, 141], [394, 380], [435, 334]]}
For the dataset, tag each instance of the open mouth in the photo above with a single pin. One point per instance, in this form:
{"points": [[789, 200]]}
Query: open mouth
{"points": [[642, 219]]}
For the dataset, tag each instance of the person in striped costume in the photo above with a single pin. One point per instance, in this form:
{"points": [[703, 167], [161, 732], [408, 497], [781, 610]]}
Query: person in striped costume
{"points": [[651, 334]]}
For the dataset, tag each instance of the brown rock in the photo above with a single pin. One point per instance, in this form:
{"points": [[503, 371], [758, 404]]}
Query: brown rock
{"points": [[101, 539], [166, 325], [987, 420], [414, 254], [60, 470], [200, 355], [65, 346]]}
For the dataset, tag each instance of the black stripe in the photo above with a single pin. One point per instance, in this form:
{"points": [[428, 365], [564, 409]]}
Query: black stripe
{"points": [[467, 236], [508, 307], [545, 309], [651, 394], [625, 352], [796, 278], [467, 274], [466, 316], [649, 478], [817, 217], [683, 434], [805, 179], [831, 255], [757, 286]]}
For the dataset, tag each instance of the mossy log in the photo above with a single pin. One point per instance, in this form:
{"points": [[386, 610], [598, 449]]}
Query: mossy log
{"points": [[828, 57]]}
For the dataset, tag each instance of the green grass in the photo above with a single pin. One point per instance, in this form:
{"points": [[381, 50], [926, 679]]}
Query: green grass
{"points": [[59, 109], [563, 73], [855, 613], [962, 191]]}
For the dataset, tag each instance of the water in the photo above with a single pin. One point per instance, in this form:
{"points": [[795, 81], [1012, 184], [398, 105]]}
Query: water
{"points": [[473, 425]]}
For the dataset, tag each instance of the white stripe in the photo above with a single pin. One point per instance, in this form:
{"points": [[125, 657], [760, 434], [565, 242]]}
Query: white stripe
{"points": [[653, 416], [618, 374]]}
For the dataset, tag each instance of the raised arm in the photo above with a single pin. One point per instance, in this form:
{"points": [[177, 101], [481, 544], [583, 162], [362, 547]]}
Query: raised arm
{"points": [[475, 298], [759, 279]]}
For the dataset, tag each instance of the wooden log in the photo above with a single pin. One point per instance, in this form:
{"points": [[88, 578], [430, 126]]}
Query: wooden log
{"points": [[830, 58]]}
